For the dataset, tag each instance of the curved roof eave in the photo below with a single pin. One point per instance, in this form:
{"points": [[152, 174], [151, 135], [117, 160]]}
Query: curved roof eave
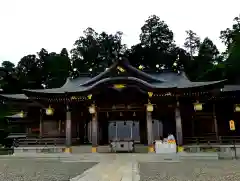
{"points": [[200, 84], [112, 80], [15, 96], [231, 88], [126, 66], [124, 80]]}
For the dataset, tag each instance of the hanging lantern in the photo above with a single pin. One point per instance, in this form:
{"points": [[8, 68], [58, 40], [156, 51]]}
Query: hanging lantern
{"points": [[49, 111], [107, 115], [150, 94], [149, 107], [92, 109], [89, 96], [121, 114], [198, 106], [120, 69], [134, 114], [119, 86], [140, 67], [237, 107], [21, 114]]}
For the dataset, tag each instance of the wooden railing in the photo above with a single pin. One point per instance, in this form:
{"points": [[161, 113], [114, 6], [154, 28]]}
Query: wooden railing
{"points": [[212, 140], [42, 141]]}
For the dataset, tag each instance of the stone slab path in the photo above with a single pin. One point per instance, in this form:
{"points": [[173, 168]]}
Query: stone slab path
{"points": [[119, 168]]}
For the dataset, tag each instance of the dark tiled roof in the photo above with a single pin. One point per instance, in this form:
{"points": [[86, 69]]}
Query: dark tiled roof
{"points": [[16, 116], [15, 96], [229, 88], [155, 81], [181, 81]]}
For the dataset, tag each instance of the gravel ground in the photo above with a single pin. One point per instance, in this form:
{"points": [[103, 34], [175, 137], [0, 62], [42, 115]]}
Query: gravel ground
{"points": [[40, 170], [221, 170]]}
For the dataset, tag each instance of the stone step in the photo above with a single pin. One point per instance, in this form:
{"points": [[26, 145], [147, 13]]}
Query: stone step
{"points": [[198, 156]]}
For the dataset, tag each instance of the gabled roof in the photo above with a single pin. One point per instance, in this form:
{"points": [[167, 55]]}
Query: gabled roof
{"points": [[230, 88], [16, 116], [132, 76], [15, 96]]}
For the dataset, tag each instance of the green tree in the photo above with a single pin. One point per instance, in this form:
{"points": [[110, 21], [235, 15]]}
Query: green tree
{"points": [[192, 42], [8, 66], [156, 33], [85, 51], [208, 64], [29, 72], [110, 48], [94, 52], [228, 35], [156, 47], [8, 77], [208, 50], [58, 67], [233, 60]]}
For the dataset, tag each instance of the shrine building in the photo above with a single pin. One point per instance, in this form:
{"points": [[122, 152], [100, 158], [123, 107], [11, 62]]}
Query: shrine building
{"points": [[124, 102]]}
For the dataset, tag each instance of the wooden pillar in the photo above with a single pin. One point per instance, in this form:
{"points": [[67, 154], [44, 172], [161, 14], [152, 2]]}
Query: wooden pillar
{"points": [[215, 121], [68, 130], [41, 123], [94, 130], [178, 119], [150, 131]]}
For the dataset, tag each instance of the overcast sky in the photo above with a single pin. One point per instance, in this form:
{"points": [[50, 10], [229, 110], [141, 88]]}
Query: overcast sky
{"points": [[26, 26]]}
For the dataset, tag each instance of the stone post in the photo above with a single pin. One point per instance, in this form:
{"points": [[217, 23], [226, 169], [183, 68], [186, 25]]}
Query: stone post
{"points": [[68, 130], [178, 119], [94, 132], [41, 123], [150, 132], [215, 121]]}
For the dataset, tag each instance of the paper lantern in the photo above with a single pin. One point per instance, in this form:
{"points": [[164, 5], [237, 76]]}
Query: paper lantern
{"points": [[49, 111], [149, 107], [89, 96], [232, 125], [92, 109], [237, 108], [150, 94], [21, 114], [140, 67], [118, 86], [198, 106], [120, 69]]}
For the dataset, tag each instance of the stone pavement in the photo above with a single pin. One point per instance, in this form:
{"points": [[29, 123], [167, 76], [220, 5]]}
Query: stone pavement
{"points": [[24, 169], [115, 167], [191, 170], [120, 167], [114, 171]]}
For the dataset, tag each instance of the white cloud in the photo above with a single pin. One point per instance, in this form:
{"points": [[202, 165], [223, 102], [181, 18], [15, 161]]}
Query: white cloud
{"points": [[26, 26]]}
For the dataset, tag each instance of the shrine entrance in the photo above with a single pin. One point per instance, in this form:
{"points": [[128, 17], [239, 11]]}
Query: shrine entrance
{"points": [[131, 125], [120, 125]]}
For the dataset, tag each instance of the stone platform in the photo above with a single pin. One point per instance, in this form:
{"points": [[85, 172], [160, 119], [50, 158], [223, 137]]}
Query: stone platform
{"points": [[223, 151], [39, 149]]}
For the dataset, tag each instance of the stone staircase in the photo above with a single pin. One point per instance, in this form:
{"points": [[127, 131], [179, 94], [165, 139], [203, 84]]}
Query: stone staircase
{"points": [[105, 149]]}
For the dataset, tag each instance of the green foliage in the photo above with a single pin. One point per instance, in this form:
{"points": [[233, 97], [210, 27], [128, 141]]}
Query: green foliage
{"points": [[192, 42], [94, 52]]}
